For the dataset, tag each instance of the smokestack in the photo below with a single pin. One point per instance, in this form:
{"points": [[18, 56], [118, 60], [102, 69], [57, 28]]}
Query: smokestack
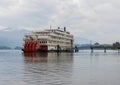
{"points": [[65, 29], [58, 27]]}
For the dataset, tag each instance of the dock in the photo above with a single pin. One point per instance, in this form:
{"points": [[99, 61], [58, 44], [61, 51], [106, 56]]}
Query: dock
{"points": [[93, 47]]}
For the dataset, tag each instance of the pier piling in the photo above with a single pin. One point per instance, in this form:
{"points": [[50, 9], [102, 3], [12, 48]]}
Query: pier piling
{"points": [[104, 50]]}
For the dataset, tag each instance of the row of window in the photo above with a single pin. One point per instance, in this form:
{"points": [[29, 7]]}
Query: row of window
{"points": [[43, 41], [55, 42], [60, 38]]}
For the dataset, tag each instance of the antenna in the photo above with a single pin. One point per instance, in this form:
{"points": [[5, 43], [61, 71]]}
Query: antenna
{"points": [[50, 27]]}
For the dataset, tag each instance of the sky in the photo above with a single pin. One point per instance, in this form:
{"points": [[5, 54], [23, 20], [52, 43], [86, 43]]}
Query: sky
{"points": [[96, 20]]}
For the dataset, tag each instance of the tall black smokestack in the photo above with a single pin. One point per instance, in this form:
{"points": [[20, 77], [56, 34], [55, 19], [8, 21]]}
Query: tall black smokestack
{"points": [[65, 29], [58, 27]]}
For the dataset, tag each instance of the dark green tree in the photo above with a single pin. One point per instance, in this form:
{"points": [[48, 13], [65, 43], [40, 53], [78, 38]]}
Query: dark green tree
{"points": [[116, 44]]}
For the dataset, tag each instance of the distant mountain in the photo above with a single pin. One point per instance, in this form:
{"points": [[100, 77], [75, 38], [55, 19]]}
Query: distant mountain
{"points": [[12, 38], [17, 48], [4, 47]]}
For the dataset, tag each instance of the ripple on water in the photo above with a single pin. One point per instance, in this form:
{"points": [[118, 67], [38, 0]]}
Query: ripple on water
{"points": [[83, 68]]}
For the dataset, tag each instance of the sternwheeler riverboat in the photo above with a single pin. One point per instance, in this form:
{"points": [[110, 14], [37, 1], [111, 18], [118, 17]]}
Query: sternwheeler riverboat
{"points": [[58, 40]]}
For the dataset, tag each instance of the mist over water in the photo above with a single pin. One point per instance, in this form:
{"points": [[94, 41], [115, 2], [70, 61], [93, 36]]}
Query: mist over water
{"points": [[82, 68]]}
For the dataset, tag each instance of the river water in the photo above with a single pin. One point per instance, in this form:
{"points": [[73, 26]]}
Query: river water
{"points": [[82, 68]]}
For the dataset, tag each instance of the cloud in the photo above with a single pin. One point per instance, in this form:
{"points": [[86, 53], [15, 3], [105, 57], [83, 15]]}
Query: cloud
{"points": [[9, 7], [96, 20], [2, 27]]}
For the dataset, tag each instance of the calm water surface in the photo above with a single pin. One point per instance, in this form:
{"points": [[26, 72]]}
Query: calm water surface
{"points": [[82, 68]]}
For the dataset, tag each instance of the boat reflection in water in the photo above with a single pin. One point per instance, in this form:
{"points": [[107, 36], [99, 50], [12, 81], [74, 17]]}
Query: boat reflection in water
{"points": [[48, 68], [38, 57], [35, 57]]}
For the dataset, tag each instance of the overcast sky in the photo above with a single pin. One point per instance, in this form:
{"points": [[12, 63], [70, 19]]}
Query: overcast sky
{"points": [[97, 20]]}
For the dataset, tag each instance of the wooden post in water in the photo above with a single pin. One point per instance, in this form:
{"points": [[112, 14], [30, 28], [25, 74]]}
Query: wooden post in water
{"points": [[118, 50], [91, 50], [104, 50]]}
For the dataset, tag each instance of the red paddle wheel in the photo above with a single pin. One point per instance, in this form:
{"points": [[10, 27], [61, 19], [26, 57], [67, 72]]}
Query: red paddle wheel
{"points": [[26, 46], [37, 46], [34, 47], [31, 46]]}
